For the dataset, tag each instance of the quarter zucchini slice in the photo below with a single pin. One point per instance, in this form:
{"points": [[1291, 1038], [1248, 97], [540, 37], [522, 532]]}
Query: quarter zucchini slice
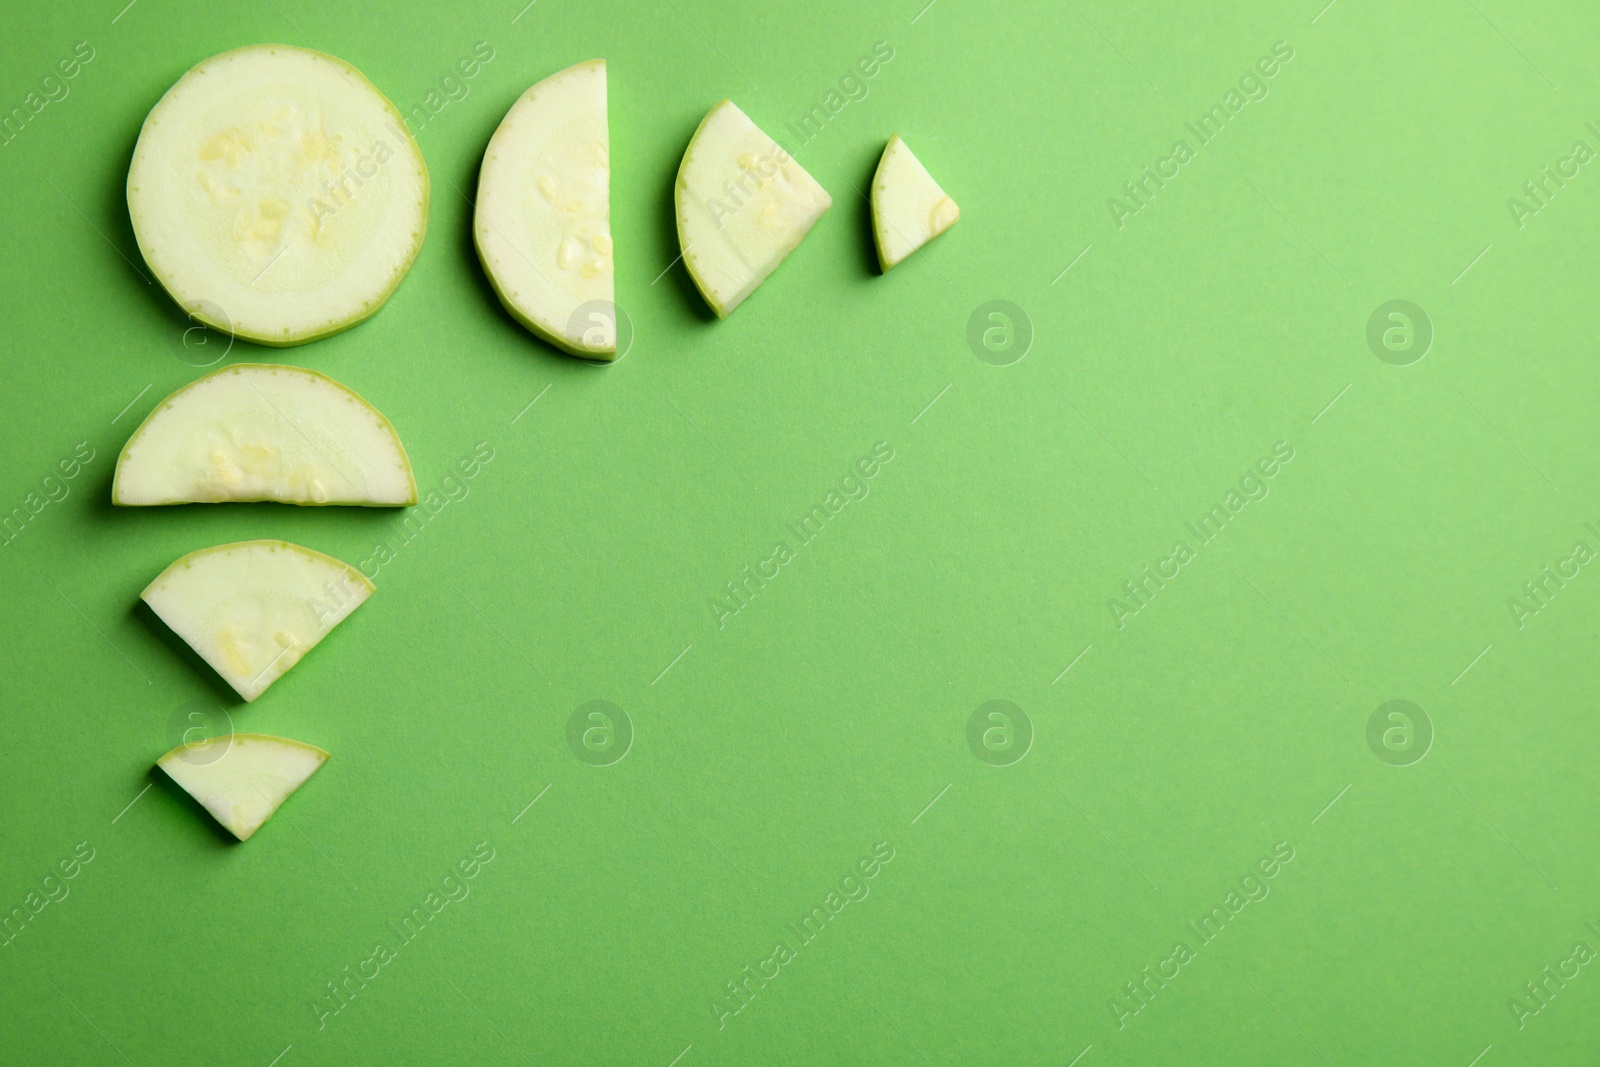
{"points": [[251, 609], [743, 205]]}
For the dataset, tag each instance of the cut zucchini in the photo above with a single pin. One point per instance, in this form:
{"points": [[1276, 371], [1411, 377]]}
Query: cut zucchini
{"points": [[543, 218], [241, 779], [255, 431], [908, 207], [251, 609], [277, 195], [743, 205]]}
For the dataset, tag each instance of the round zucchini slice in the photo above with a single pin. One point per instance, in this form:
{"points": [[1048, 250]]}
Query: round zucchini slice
{"points": [[277, 195]]}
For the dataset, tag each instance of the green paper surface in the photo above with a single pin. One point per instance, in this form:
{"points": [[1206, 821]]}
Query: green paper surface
{"points": [[797, 828]]}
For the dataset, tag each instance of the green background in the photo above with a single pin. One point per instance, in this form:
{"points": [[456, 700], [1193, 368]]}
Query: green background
{"points": [[771, 754]]}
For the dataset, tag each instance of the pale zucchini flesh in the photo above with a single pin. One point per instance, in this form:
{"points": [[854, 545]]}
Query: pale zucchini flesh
{"points": [[542, 224], [742, 205], [256, 431], [909, 209], [242, 779], [277, 195], [252, 609]]}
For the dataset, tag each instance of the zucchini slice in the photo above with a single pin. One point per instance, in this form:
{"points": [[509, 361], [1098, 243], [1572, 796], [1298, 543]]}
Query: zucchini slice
{"points": [[908, 207], [543, 218], [743, 205], [256, 431], [251, 609], [277, 195], [241, 779]]}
